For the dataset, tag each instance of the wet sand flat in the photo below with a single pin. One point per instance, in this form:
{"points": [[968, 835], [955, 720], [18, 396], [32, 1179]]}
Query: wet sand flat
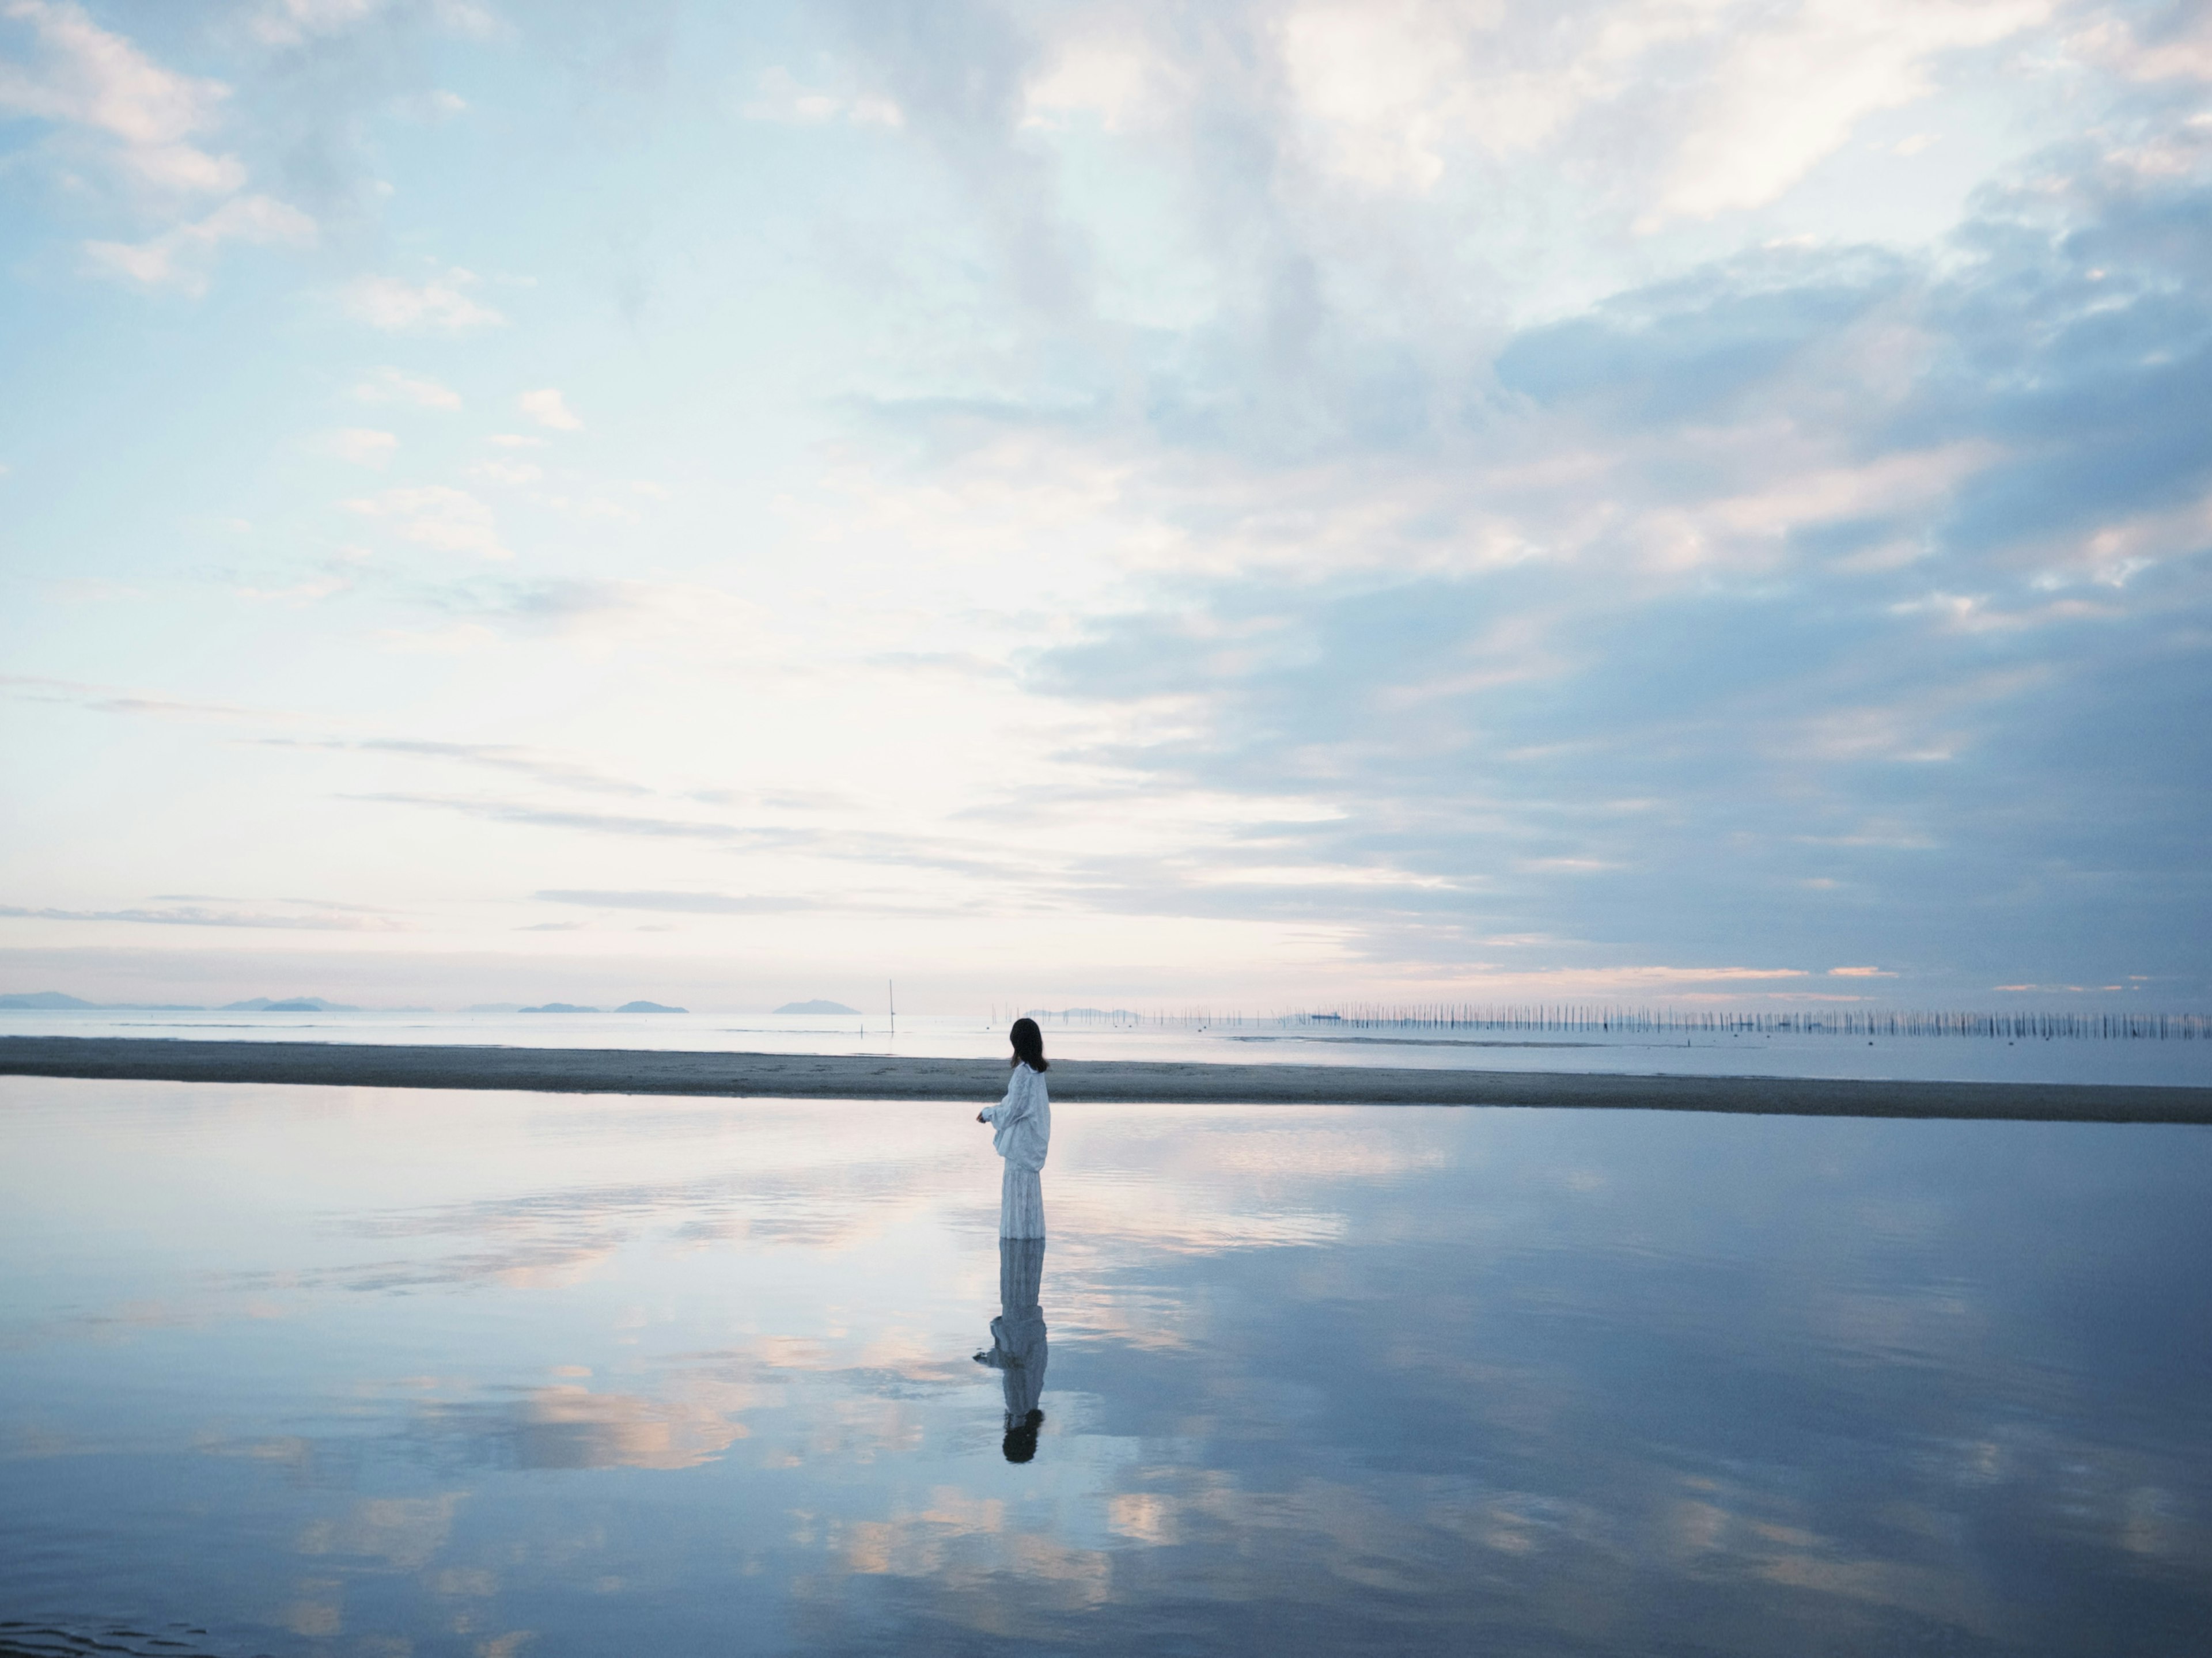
{"points": [[876, 1077]]}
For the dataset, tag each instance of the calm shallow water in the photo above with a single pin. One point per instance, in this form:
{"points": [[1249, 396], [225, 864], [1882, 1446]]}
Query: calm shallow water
{"points": [[304, 1371]]}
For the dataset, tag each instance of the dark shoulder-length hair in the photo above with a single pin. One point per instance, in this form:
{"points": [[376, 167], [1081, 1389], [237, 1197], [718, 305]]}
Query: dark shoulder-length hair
{"points": [[1029, 1046]]}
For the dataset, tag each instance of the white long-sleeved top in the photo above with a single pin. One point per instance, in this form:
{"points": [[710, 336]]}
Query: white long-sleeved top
{"points": [[1019, 1343], [1022, 1122]]}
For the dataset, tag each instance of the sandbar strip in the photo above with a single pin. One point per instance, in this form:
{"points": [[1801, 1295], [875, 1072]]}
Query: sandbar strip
{"points": [[873, 1077]]}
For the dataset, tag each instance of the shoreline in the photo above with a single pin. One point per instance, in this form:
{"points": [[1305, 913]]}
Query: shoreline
{"points": [[867, 1076]]}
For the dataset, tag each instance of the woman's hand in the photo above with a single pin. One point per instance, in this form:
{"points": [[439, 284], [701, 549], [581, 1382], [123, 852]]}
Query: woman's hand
{"points": [[980, 1117]]}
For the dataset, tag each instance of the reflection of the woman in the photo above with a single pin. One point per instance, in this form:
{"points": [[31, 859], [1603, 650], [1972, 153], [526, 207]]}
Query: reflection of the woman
{"points": [[1017, 1342]]}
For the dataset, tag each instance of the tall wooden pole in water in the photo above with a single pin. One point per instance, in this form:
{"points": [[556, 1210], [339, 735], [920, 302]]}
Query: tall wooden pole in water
{"points": [[890, 995]]}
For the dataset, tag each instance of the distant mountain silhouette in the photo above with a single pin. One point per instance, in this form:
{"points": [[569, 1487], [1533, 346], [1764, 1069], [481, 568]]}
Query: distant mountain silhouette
{"points": [[53, 1000], [557, 1008], [649, 1007], [818, 1006], [287, 1004]]}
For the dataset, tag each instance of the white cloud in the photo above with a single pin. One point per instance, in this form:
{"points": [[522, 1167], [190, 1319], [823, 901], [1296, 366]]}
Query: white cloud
{"points": [[1112, 79], [361, 445], [459, 639], [515, 472], [432, 108], [1982, 613], [2184, 53], [301, 594], [178, 258], [1722, 103], [2114, 552], [1388, 86], [433, 515], [549, 408], [288, 22], [438, 305], [595, 507], [122, 113], [392, 385], [1786, 96], [100, 82], [466, 19], [780, 98], [342, 919]]}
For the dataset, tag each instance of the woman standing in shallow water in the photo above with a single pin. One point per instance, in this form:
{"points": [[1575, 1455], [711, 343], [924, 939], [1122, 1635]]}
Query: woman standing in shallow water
{"points": [[1024, 1124]]}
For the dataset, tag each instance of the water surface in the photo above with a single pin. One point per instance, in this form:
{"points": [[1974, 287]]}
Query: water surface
{"points": [[324, 1371]]}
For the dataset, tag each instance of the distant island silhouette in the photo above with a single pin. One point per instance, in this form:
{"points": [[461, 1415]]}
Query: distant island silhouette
{"points": [[557, 1008], [818, 1006], [649, 1007], [54, 1000]]}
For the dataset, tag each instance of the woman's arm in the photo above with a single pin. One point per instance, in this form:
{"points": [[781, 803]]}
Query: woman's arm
{"points": [[1021, 1098]]}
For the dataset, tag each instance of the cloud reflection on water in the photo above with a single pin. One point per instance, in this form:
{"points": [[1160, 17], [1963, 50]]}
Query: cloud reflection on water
{"points": [[569, 1426], [703, 1374]]}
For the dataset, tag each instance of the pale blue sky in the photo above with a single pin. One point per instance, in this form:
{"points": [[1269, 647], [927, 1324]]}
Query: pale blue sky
{"points": [[1254, 504]]}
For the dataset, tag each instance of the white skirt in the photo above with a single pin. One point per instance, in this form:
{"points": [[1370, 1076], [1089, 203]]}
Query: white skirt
{"points": [[1021, 1203]]}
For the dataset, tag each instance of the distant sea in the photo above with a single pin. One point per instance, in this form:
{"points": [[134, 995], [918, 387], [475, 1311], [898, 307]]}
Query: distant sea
{"points": [[1934, 1058]]}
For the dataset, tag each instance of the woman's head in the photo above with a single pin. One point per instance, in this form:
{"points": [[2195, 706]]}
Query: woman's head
{"points": [[1029, 1044], [1020, 1442]]}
